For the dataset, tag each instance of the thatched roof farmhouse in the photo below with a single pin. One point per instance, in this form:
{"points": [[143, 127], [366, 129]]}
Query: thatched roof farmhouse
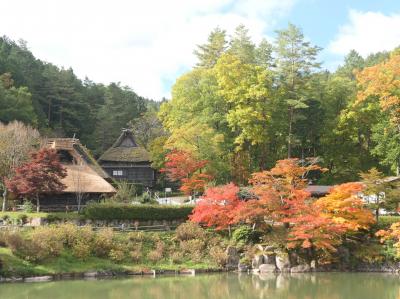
{"points": [[126, 160]]}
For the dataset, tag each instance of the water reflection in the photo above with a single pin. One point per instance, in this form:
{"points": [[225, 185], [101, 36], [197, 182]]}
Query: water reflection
{"points": [[229, 285]]}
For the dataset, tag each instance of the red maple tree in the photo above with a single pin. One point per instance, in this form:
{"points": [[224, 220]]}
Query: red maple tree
{"points": [[218, 207], [183, 167], [42, 174]]}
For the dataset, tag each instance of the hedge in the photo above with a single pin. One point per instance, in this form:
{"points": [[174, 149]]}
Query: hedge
{"points": [[113, 211]]}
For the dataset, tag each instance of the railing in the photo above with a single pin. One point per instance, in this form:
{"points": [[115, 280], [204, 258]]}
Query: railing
{"points": [[120, 228]]}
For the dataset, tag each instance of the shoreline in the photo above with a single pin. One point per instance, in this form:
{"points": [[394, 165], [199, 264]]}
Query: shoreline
{"points": [[108, 274], [90, 275]]}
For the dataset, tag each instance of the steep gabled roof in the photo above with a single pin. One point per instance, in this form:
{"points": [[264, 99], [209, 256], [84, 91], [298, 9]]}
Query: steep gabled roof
{"points": [[125, 149], [85, 175]]}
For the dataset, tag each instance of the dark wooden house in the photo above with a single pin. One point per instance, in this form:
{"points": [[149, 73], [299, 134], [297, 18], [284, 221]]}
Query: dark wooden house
{"points": [[126, 160]]}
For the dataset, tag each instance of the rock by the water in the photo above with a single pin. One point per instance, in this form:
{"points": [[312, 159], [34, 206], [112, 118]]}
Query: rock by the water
{"points": [[38, 279], [267, 268], [243, 267], [257, 261], [233, 257], [282, 263], [269, 259], [300, 269]]}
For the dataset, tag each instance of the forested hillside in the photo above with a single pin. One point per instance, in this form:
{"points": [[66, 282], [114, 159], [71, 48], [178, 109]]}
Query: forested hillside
{"points": [[245, 105], [59, 104], [241, 108]]}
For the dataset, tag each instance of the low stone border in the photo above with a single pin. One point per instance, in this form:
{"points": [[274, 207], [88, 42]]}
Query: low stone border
{"points": [[103, 274]]}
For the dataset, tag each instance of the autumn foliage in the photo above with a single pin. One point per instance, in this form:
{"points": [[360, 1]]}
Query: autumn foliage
{"points": [[42, 174], [316, 225], [218, 207], [382, 80], [344, 206], [183, 167], [280, 191], [392, 234]]}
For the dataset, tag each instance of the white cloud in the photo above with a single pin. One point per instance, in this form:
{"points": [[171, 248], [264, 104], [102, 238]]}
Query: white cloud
{"points": [[138, 43], [367, 32]]}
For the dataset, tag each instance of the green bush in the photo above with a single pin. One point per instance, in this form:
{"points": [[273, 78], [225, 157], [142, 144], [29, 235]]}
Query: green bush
{"points": [[115, 211], [22, 218], [28, 206], [386, 221], [246, 234]]}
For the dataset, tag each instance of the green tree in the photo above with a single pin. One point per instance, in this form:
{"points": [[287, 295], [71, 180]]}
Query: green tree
{"points": [[209, 53], [296, 60], [15, 103]]}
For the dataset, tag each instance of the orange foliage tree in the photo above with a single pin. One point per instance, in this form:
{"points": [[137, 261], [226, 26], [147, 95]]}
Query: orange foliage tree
{"points": [[383, 80], [182, 166], [280, 191], [218, 207], [344, 206], [313, 231]]}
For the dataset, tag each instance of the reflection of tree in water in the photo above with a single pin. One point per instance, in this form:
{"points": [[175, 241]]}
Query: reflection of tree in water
{"points": [[219, 286]]}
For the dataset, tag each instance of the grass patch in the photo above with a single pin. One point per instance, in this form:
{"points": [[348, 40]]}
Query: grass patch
{"points": [[67, 263]]}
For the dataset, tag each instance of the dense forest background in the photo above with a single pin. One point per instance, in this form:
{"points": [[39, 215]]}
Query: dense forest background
{"points": [[59, 104], [242, 107]]}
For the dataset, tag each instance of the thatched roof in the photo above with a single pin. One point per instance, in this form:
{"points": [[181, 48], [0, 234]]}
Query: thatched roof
{"points": [[84, 174], [82, 178], [125, 149]]}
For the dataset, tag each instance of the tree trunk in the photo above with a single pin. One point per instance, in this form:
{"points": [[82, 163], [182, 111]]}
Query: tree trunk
{"points": [[377, 209], [37, 204], [3, 208], [290, 132]]}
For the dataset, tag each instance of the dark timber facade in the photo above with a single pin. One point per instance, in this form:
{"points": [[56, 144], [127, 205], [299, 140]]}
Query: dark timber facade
{"points": [[125, 160]]}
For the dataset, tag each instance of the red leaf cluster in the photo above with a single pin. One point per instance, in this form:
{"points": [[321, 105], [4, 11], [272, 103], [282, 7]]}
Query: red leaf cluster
{"points": [[218, 207], [182, 166], [41, 174]]}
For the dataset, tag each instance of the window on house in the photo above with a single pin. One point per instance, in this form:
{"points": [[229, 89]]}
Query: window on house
{"points": [[117, 173]]}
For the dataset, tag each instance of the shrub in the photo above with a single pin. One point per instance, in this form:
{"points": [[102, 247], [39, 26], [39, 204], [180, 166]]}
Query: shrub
{"points": [[246, 234], [193, 248], [117, 255], [14, 241], [22, 218], [137, 236], [189, 231], [136, 255], [177, 257], [158, 253], [154, 256], [28, 206], [125, 192], [81, 249], [103, 242], [117, 211], [218, 256], [3, 238], [48, 240], [42, 245]]}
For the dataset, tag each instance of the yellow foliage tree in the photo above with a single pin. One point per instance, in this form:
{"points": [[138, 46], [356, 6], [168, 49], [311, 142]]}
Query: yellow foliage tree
{"points": [[344, 206], [382, 80]]}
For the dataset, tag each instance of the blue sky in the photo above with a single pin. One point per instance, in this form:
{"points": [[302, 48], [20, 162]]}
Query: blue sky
{"points": [[147, 44]]}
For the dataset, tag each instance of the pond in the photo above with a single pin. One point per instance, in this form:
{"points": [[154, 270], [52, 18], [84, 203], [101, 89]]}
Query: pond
{"points": [[228, 285]]}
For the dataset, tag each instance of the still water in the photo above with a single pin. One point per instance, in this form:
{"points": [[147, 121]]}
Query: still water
{"points": [[301, 286]]}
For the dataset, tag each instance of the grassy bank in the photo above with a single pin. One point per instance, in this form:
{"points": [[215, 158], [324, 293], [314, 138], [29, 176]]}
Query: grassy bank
{"points": [[71, 249], [14, 266]]}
